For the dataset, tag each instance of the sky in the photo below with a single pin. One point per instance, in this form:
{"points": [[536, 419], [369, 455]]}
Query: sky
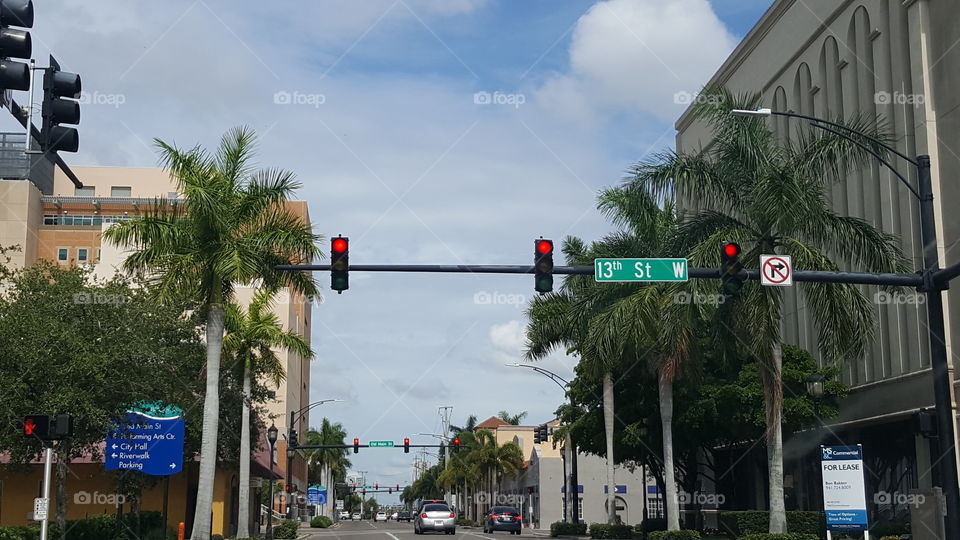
{"points": [[428, 132]]}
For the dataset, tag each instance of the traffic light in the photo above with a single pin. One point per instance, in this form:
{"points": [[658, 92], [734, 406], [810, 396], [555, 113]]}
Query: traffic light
{"points": [[363, 492], [294, 439], [37, 426], [356, 446], [15, 43], [62, 427], [406, 446], [543, 265], [730, 267], [61, 90], [540, 434], [340, 264], [389, 490], [456, 444], [376, 485]]}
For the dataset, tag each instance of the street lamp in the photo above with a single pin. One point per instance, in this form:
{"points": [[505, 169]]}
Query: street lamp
{"points": [[572, 482], [292, 450], [272, 439], [934, 284], [815, 386]]}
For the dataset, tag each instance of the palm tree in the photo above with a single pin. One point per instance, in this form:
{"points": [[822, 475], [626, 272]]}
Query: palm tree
{"points": [[233, 228], [768, 195], [469, 426], [328, 466], [252, 339], [512, 419]]}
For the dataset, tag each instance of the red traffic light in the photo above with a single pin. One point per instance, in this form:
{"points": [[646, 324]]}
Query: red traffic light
{"points": [[731, 249], [29, 426], [339, 245], [544, 247], [286, 488]]}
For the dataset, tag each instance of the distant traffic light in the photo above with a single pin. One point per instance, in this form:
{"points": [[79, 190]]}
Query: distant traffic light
{"points": [[376, 485], [15, 43], [61, 90], [456, 444], [37, 426], [340, 264], [541, 434], [406, 445], [389, 490], [294, 438], [730, 267], [543, 265], [356, 446], [61, 427]]}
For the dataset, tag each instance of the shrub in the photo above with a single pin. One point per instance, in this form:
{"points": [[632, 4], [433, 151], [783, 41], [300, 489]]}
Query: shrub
{"points": [[652, 524], [779, 536], [320, 522], [464, 522], [744, 522], [286, 530], [674, 535], [558, 528], [889, 529], [609, 532]]}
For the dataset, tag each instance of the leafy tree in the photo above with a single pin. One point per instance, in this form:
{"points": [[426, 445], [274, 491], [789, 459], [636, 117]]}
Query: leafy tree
{"points": [[768, 195], [233, 229], [253, 337]]}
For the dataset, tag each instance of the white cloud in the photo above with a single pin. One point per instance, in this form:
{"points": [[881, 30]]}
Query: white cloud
{"points": [[635, 55]]}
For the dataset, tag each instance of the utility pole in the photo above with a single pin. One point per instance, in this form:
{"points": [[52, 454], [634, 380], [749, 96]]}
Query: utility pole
{"points": [[445, 414]]}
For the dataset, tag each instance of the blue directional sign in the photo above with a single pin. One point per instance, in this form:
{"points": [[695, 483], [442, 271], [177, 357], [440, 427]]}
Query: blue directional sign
{"points": [[149, 444], [316, 495]]}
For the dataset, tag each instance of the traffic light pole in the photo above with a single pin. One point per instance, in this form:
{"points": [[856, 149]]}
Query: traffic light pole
{"points": [[47, 467]]}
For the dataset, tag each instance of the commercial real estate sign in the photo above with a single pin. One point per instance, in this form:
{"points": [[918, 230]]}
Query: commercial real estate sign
{"points": [[844, 494]]}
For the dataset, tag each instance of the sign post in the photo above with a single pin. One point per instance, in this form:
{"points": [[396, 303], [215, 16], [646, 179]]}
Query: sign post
{"points": [[844, 493], [641, 270]]}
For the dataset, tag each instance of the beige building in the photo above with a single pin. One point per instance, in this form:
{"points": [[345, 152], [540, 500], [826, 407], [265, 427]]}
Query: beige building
{"points": [[65, 224], [835, 59]]}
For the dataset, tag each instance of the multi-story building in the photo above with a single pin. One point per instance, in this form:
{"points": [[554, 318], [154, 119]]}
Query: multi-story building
{"points": [[896, 59], [51, 218]]}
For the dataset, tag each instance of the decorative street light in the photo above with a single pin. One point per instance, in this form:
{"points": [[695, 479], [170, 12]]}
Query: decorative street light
{"points": [[815, 386], [292, 449], [272, 439]]}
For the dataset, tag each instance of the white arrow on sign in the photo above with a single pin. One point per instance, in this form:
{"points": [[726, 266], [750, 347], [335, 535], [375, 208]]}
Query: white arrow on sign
{"points": [[173, 465], [776, 270], [114, 446], [114, 455]]}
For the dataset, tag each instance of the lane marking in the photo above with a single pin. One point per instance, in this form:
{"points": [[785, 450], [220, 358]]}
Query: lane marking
{"points": [[395, 538]]}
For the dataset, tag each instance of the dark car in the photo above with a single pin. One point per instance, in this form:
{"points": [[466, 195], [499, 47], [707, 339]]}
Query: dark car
{"points": [[435, 517], [404, 515], [503, 518]]}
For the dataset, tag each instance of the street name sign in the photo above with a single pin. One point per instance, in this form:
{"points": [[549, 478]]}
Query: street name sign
{"points": [[639, 270], [149, 444], [381, 444], [844, 494]]}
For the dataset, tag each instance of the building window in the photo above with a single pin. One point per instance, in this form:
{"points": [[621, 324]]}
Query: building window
{"points": [[173, 195], [62, 254], [120, 191], [85, 191], [82, 220], [83, 255]]}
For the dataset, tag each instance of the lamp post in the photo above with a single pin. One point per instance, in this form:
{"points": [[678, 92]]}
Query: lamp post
{"points": [[932, 287], [643, 471], [292, 449], [572, 482], [272, 439]]}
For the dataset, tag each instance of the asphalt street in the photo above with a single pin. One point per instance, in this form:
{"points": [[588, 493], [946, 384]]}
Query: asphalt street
{"points": [[391, 530]]}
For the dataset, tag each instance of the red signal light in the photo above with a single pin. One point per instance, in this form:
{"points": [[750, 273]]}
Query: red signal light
{"points": [[731, 249], [544, 247], [339, 245], [29, 426]]}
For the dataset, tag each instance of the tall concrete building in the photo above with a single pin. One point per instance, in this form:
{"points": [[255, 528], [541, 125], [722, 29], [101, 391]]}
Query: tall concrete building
{"points": [[899, 60], [51, 218]]}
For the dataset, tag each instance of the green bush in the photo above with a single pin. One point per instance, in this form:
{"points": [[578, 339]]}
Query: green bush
{"points": [[889, 529], [100, 527], [603, 531], [744, 522], [320, 522], [558, 528], [19, 533], [286, 530], [779, 536], [464, 522], [674, 535], [652, 524]]}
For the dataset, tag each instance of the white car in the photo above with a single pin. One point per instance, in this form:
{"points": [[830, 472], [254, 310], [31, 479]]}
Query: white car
{"points": [[381, 516], [357, 516], [344, 514]]}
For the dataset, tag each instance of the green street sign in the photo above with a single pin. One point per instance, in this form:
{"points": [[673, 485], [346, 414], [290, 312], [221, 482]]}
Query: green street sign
{"points": [[641, 270], [381, 444]]}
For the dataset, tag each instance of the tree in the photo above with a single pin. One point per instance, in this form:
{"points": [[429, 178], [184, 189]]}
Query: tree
{"points": [[512, 419], [470, 425], [768, 195], [327, 466], [252, 338], [234, 228]]}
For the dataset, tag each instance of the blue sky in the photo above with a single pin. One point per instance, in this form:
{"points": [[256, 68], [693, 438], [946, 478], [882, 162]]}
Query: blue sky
{"points": [[374, 105]]}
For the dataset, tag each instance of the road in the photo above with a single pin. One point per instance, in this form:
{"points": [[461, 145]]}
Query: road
{"points": [[391, 530]]}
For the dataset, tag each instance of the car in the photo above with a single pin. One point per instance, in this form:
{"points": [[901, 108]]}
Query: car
{"points": [[404, 515], [381, 516], [503, 518], [393, 515], [435, 517], [357, 516], [344, 514]]}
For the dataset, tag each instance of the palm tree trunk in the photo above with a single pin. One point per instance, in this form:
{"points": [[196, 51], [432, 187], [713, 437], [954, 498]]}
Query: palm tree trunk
{"points": [[666, 420], [243, 512], [773, 401], [211, 421], [608, 428]]}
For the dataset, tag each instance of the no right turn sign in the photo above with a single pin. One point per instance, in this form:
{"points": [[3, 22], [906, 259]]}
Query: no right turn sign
{"points": [[776, 270]]}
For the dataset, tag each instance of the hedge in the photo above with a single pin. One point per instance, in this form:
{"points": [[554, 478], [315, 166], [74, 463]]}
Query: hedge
{"points": [[652, 524], [100, 527], [780, 536], [286, 530], [606, 532], [744, 522], [558, 528], [674, 535], [321, 522]]}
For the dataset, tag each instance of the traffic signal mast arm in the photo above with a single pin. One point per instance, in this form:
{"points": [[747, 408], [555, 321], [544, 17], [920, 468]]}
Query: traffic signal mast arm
{"points": [[347, 446]]}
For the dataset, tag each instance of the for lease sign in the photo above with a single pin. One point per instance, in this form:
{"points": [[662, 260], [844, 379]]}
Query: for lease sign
{"points": [[844, 496]]}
